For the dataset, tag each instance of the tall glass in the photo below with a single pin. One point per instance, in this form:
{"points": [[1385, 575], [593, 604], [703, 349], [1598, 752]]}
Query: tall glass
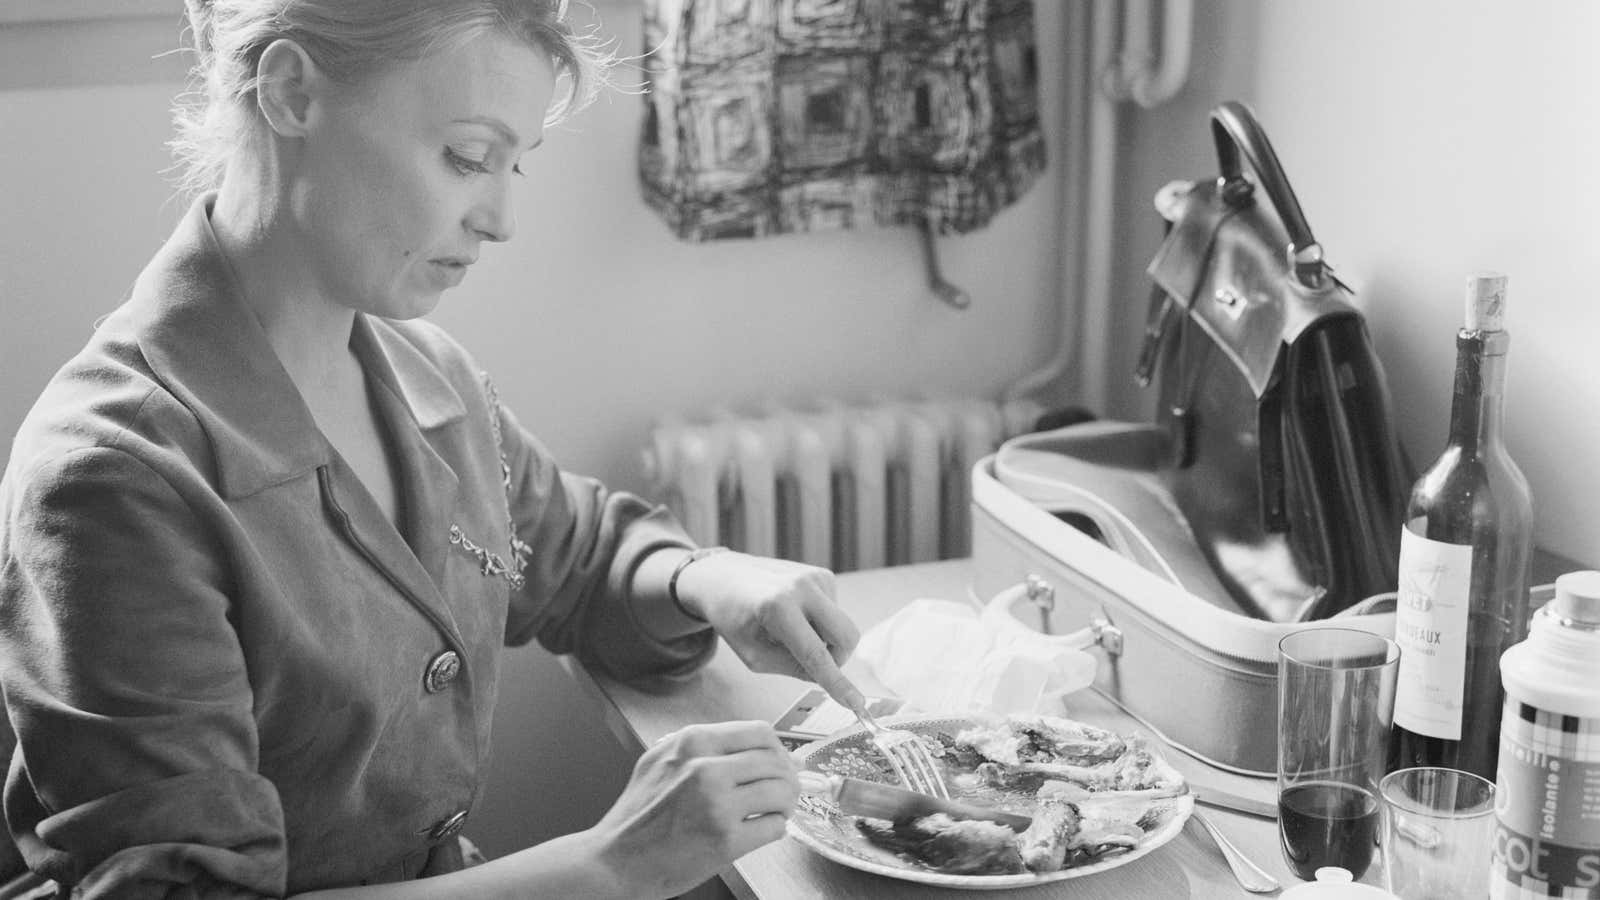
{"points": [[1335, 708]]}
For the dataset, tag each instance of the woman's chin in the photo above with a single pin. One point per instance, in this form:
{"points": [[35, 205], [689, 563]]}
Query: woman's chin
{"points": [[410, 305]]}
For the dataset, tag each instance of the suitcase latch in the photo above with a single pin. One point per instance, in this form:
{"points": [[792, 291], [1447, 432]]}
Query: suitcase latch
{"points": [[1107, 635], [1100, 632], [1043, 598]]}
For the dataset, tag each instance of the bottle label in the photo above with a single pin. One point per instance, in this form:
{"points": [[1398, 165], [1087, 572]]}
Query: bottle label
{"points": [[1547, 801], [1430, 625]]}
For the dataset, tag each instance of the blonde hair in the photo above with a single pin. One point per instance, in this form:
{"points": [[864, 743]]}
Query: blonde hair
{"points": [[350, 40]]}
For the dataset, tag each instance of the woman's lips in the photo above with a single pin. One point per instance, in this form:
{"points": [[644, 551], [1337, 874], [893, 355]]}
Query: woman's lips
{"points": [[449, 271]]}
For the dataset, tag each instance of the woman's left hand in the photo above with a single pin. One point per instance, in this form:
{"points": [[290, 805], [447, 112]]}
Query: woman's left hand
{"points": [[778, 616]]}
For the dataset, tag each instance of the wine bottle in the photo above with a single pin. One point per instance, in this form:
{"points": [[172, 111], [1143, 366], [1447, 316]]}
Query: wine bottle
{"points": [[1465, 554]]}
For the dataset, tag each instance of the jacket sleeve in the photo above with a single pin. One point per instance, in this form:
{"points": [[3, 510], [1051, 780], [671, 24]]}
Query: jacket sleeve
{"points": [[136, 766], [585, 543]]}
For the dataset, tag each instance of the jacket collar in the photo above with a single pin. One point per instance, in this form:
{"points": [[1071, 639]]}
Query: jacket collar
{"points": [[397, 363], [208, 349]]}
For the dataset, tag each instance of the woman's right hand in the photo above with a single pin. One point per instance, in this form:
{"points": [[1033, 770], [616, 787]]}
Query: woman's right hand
{"points": [[700, 798]]}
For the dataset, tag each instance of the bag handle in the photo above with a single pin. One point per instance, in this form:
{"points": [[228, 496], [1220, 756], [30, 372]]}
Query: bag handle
{"points": [[1236, 132]]}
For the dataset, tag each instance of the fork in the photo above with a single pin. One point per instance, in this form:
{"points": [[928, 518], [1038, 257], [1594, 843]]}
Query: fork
{"points": [[907, 755], [1250, 876]]}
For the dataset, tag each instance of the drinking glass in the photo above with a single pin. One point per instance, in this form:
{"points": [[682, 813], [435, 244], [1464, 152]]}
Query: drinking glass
{"points": [[1438, 833], [1335, 705]]}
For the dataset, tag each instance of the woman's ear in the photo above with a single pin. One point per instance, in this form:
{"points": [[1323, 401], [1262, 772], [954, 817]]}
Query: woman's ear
{"points": [[288, 84]]}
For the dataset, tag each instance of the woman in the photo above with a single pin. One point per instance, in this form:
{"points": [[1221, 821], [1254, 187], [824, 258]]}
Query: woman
{"points": [[263, 538]]}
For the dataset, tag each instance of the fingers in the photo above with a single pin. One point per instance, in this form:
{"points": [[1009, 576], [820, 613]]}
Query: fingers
{"points": [[836, 629], [761, 808], [760, 780], [801, 630], [794, 630], [757, 831], [773, 775], [723, 738], [727, 754], [691, 808], [766, 795]]}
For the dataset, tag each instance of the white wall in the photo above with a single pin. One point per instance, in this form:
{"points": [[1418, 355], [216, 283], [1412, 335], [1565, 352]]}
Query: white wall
{"points": [[593, 321], [1426, 140]]}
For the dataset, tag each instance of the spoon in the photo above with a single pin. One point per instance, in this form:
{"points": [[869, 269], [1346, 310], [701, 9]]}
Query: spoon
{"points": [[1250, 876]]}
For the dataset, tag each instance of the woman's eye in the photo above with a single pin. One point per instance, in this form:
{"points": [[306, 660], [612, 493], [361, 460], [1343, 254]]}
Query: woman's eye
{"points": [[465, 165]]}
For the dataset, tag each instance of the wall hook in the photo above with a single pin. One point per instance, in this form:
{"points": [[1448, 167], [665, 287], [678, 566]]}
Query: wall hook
{"points": [[946, 291]]}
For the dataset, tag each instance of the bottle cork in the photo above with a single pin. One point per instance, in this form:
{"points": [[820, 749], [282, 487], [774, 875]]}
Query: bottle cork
{"points": [[1486, 302]]}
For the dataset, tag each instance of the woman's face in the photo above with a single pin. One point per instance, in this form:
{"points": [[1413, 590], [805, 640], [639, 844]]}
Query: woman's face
{"points": [[404, 176]]}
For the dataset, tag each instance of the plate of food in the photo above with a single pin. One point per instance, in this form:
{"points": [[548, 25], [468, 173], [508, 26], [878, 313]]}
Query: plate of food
{"points": [[1098, 800]]}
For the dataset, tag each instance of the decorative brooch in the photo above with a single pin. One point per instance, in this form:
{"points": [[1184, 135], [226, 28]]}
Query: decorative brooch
{"points": [[491, 563]]}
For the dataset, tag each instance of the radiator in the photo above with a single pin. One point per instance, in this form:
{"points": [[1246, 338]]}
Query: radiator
{"points": [[840, 486]]}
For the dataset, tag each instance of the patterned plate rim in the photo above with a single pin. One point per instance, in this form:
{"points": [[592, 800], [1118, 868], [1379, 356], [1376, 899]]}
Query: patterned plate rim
{"points": [[1183, 807]]}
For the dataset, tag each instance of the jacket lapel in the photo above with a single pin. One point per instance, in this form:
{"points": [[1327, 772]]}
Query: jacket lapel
{"points": [[359, 520], [416, 403], [208, 349]]}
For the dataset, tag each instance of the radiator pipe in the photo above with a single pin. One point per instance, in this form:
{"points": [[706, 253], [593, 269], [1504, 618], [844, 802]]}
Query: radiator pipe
{"points": [[1140, 71], [1153, 86], [1095, 313], [1105, 64], [1089, 125]]}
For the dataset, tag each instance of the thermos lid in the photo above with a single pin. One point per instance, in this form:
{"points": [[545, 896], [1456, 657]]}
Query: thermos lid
{"points": [[1334, 883], [1578, 598]]}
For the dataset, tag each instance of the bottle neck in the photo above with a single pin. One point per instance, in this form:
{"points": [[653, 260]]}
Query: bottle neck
{"points": [[1475, 410]]}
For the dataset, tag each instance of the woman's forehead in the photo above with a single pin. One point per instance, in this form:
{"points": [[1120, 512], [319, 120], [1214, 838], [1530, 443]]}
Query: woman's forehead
{"points": [[492, 77]]}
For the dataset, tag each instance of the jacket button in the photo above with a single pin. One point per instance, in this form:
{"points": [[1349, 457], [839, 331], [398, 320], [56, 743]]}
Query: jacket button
{"points": [[441, 671], [447, 827]]}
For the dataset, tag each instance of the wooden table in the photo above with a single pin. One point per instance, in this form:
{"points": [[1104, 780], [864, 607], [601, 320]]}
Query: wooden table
{"points": [[1189, 866]]}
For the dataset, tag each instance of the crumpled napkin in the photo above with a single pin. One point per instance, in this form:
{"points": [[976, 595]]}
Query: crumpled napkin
{"points": [[945, 657]]}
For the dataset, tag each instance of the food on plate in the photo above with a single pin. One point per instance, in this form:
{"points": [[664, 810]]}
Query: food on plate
{"points": [[1092, 794], [960, 847], [1026, 751], [1017, 740], [1044, 845]]}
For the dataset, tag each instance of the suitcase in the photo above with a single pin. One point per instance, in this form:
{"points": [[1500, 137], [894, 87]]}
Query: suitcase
{"points": [[1079, 514]]}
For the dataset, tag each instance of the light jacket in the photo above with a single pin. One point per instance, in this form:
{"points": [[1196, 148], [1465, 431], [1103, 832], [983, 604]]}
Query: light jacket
{"points": [[226, 669]]}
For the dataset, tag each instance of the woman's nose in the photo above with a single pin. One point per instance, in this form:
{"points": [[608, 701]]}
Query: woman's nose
{"points": [[493, 217]]}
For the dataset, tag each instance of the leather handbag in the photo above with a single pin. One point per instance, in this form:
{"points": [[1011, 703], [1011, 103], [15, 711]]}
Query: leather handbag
{"points": [[1280, 451]]}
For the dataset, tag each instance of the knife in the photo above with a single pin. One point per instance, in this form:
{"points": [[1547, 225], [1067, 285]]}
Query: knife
{"points": [[882, 801], [1076, 793], [1234, 802]]}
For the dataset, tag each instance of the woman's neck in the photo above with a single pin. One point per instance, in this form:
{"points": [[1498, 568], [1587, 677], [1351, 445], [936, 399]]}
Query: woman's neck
{"points": [[309, 332]]}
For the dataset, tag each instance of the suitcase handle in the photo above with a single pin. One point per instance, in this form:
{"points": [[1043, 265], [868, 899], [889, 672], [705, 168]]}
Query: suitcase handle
{"points": [[1039, 592]]}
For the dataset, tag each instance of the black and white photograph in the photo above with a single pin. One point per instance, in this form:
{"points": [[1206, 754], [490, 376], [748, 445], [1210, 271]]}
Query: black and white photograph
{"points": [[799, 449]]}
